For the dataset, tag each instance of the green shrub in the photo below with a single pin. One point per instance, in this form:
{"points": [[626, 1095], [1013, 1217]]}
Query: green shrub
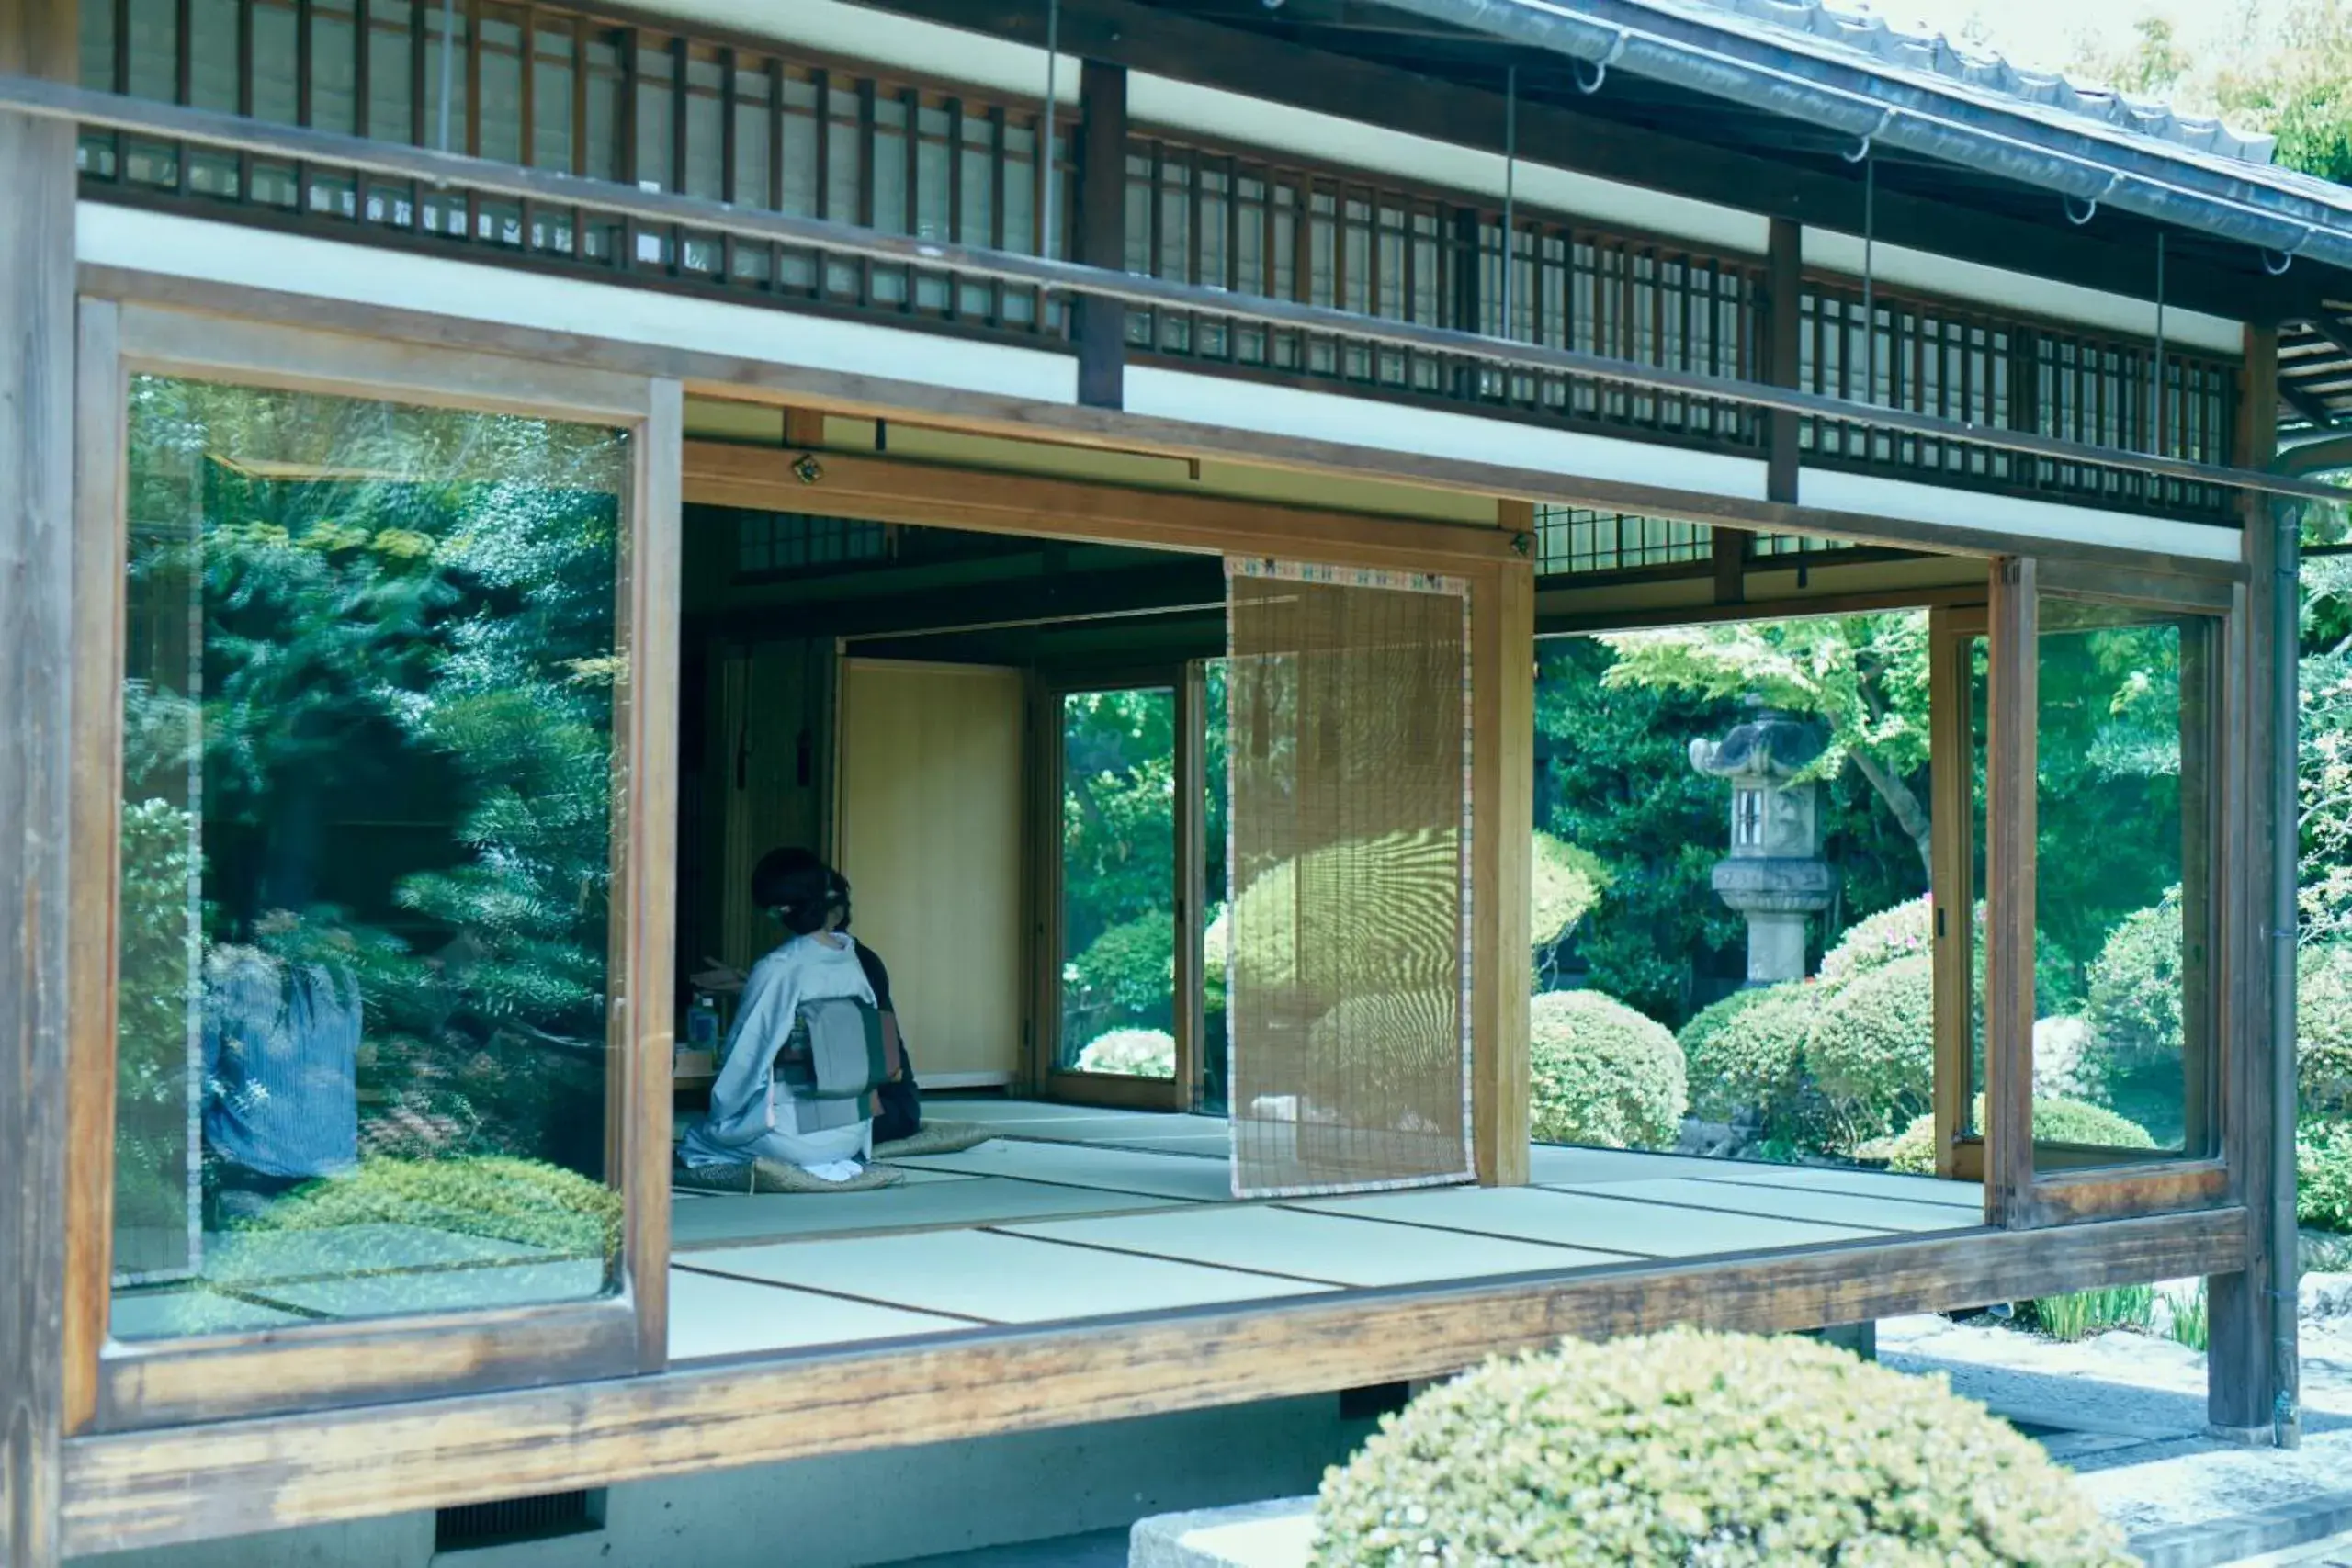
{"points": [[1126, 972], [1872, 1052], [2132, 1005], [1745, 1053], [2324, 1029], [1603, 1074], [1694, 1448], [2078, 1314], [1876, 940], [1130, 1052], [2323, 1175], [1566, 882], [1913, 1150], [519, 1201]]}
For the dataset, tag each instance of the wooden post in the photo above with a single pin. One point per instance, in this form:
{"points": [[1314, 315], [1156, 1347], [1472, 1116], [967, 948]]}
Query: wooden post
{"points": [[2250, 1371], [1502, 700], [1784, 322], [2012, 700], [37, 181], [1102, 230]]}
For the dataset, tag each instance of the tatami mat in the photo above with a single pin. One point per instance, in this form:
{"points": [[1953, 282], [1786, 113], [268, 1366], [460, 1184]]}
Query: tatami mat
{"points": [[1127, 1171], [1323, 1246], [1966, 1195], [713, 1220], [1792, 1204], [1575, 1219], [1092, 1125], [711, 1316], [996, 1277]]}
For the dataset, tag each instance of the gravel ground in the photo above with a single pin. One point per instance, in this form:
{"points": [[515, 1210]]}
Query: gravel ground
{"points": [[2127, 1412]]}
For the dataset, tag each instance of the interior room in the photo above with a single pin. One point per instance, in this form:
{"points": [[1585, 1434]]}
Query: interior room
{"points": [[1166, 849]]}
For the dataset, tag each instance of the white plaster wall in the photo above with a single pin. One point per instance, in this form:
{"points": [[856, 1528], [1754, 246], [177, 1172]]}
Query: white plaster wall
{"points": [[332, 269], [1394, 427], [1878, 497]]}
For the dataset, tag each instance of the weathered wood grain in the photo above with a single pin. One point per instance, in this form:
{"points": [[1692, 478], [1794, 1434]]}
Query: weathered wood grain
{"points": [[37, 602], [146, 1489]]}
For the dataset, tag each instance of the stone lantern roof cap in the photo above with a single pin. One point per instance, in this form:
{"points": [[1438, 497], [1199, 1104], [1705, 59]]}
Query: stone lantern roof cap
{"points": [[1773, 745]]}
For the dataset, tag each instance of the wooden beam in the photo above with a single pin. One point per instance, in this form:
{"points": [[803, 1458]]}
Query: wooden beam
{"points": [[1101, 324], [1021, 601], [1502, 691], [2250, 1375], [37, 326], [146, 1489], [1157, 40], [1783, 325], [2010, 787], [1952, 635], [870, 397], [846, 485]]}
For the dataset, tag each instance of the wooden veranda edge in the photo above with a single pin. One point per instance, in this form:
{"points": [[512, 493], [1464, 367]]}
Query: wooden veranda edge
{"points": [[861, 396], [144, 1489]]}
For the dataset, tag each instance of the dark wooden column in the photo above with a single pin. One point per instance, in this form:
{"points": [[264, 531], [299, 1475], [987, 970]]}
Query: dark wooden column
{"points": [[1102, 230], [37, 38], [1784, 319], [2251, 1369]]}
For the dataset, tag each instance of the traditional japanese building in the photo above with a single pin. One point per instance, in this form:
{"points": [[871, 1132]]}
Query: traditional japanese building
{"points": [[477, 475]]}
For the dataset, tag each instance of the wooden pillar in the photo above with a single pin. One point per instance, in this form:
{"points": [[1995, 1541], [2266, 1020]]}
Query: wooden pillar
{"points": [[2012, 699], [2251, 1368], [1502, 706], [37, 38], [1784, 324], [1102, 230]]}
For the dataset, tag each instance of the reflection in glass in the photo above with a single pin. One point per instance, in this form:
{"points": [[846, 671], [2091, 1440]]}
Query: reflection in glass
{"points": [[1118, 877], [366, 849], [2122, 993], [1215, 892]]}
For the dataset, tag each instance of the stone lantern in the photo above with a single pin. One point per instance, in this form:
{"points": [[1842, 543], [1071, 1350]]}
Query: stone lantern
{"points": [[1774, 875]]}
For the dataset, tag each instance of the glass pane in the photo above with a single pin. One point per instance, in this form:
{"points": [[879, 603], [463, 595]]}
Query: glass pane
{"points": [[1118, 956], [368, 790], [1217, 789], [2121, 928], [1978, 672]]}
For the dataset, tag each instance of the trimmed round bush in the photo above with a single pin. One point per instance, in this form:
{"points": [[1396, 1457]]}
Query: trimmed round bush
{"points": [[1872, 1053], [1129, 969], [2324, 1029], [2058, 1120], [1694, 1448], [2132, 1005], [520, 1200], [1745, 1053], [1603, 1074], [1567, 883], [1877, 941], [1130, 1052]]}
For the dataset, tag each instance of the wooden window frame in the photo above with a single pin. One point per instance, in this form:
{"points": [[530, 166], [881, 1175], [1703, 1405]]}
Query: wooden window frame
{"points": [[2018, 1192], [112, 1385]]}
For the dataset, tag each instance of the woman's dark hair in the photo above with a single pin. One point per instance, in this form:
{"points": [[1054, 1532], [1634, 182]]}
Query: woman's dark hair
{"points": [[800, 889]]}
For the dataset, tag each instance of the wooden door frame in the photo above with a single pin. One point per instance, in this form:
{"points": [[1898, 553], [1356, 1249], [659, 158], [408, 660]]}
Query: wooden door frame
{"points": [[1045, 1072], [113, 1386]]}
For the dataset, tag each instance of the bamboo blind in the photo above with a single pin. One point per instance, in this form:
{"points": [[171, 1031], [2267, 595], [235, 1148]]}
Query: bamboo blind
{"points": [[1349, 747]]}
